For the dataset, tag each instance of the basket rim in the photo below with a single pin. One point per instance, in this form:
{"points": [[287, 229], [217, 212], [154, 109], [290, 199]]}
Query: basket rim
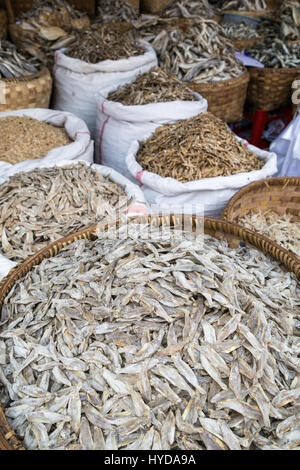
{"points": [[274, 71], [28, 78], [256, 240], [250, 13], [230, 82]]}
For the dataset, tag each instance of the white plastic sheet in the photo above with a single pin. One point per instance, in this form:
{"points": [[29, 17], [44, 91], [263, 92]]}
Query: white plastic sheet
{"points": [[287, 148]]}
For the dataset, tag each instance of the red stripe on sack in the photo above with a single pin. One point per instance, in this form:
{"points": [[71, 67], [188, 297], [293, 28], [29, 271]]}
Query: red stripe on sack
{"points": [[139, 175], [101, 139]]}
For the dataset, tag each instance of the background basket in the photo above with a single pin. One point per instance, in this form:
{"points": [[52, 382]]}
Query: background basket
{"points": [[20, 6], [154, 6], [33, 91], [225, 98], [270, 88], [3, 24]]}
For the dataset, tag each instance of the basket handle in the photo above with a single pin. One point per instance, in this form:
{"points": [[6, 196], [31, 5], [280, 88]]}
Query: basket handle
{"points": [[11, 16]]}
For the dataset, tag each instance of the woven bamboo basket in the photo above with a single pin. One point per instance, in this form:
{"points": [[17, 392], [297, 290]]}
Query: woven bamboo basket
{"points": [[279, 194], [3, 24], [218, 228], [33, 91], [154, 6], [270, 88], [225, 98], [241, 44]]}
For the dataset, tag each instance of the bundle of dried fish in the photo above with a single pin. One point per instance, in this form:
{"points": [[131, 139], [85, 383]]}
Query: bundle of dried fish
{"points": [[13, 64], [238, 31], [245, 5], [276, 53], [290, 20], [101, 43], [282, 229], [189, 9], [45, 204], [191, 149], [156, 86], [142, 344], [197, 53], [119, 10], [23, 138]]}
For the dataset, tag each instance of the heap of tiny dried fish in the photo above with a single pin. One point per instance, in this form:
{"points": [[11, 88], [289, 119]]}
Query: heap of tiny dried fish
{"points": [[276, 53], [14, 64], [197, 53], [289, 15], [118, 10], [143, 344], [23, 138], [191, 149], [189, 9], [49, 26], [245, 5], [46, 204], [238, 31], [281, 228], [156, 86], [101, 43]]}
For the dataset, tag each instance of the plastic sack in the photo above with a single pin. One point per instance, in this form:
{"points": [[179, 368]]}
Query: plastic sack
{"points": [[212, 194], [137, 205], [76, 82], [117, 126], [81, 149], [287, 148]]}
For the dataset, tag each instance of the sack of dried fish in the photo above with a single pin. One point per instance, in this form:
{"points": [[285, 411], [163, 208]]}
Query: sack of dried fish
{"points": [[155, 344], [32, 137], [77, 81], [196, 161], [119, 10], [189, 9], [136, 109], [287, 148], [41, 205], [48, 26], [3, 24]]}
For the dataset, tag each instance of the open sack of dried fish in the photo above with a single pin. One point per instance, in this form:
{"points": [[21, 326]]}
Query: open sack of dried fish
{"points": [[104, 58], [41, 205], [189, 9], [32, 137], [289, 15], [47, 27], [196, 53], [196, 161], [245, 5], [137, 109], [119, 10], [139, 344], [15, 64]]}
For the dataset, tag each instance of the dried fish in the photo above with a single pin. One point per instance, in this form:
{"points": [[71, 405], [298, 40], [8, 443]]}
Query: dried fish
{"points": [[275, 53], [245, 5], [119, 10], [23, 138], [189, 9], [200, 147], [289, 15], [198, 399], [14, 64], [284, 229], [157, 85], [239, 31]]}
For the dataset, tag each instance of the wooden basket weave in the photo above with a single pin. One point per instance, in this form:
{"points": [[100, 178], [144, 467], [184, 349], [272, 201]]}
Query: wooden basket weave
{"points": [[270, 88], [3, 24], [218, 228], [225, 98], [33, 91], [154, 6]]}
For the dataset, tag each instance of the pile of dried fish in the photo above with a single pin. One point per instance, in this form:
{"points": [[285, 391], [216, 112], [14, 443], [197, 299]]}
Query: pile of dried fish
{"points": [[156, 86], [238, 31], [13, 64], [245, 5], [189, 9], [50, 25], [118, 10], [100, 43], [268, 28], [46, 204], [281, 228], [276, 53], [197, 53], [290, 20], [191, 149], [23, 138], [142, 344]]}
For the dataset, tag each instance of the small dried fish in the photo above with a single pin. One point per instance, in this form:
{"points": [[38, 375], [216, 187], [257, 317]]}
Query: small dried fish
{"points": [[239, 31], [245, 5], [189, 9], [289, 15], [200, 147], [119, 10], [276, 53], [14, 64]]}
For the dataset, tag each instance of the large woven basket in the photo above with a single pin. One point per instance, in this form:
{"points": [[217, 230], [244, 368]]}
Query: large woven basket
{"points": [[3, 24], [270, 88], [218, 228], [225, 98], [153, 6], [33, 91]]}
